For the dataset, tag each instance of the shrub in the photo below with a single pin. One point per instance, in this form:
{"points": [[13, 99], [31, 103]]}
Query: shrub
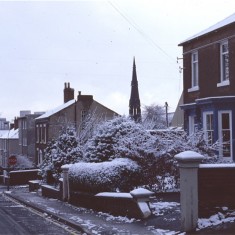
{"points": [[117, 175], [64, 150], [120, 137]]}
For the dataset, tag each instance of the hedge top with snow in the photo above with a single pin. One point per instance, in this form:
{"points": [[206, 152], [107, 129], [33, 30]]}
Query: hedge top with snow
{"points": [[117, 175]]}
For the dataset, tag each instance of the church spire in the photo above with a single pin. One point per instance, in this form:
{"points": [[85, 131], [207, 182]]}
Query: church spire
{"points": [[134, 103]]}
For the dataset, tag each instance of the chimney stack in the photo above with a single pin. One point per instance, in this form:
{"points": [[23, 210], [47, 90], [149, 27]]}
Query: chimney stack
{"points": [[68, 92]]}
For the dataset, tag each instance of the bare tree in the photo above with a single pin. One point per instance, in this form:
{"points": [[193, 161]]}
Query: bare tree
{"points": [[88, 125], [154, 116]]}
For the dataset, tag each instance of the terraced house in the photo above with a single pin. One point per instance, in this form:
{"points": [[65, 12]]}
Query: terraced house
{"points": [[209, 85], [71, 113]]}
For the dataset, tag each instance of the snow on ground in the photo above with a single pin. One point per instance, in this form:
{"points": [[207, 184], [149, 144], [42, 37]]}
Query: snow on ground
{"points": [[121, 219], [159, 207], [219, 218]]}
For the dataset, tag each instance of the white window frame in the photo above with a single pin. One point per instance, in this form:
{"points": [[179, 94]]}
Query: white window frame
{"points": [[224, 79], [195, 72], [205, 114], [24, 141], [37, 133], [191, 126], [41, 135], [220, 134], [40, 155], [45, 133]]}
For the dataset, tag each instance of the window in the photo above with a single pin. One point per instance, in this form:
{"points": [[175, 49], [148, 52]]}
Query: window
{"points": [[45, 133], [194, 75], [40, 156], [224, 64], [37, 133], [41, 134], [208, 120], [24, 141], [24, 124], [192, 125], [225, 134]]}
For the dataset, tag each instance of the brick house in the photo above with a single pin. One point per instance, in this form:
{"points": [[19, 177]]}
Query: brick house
{"points": [[209, 85], [71, 113], [26, 123]]}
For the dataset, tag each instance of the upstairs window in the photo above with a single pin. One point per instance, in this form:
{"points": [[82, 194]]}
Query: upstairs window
{"points": [[224, 64], [194, 75]]}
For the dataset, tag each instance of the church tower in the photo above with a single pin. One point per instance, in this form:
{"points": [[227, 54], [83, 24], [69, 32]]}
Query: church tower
{"points": [[134, 103]]}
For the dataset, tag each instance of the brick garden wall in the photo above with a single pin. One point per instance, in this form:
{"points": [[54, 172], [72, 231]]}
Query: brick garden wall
{"points": [[216, 187]]}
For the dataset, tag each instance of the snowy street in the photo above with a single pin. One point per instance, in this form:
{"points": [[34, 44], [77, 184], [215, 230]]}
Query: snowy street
{"points": [[17, 219], [165, 218]]}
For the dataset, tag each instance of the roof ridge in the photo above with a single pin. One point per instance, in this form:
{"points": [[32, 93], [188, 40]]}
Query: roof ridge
{"points": [[228, 20]]}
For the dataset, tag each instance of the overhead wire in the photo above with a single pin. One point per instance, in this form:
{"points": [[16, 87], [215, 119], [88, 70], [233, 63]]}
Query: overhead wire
{"points": [[139, 30]]}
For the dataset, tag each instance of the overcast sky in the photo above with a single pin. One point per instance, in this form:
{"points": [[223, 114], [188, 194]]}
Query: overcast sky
{"points": [[91, 44]]}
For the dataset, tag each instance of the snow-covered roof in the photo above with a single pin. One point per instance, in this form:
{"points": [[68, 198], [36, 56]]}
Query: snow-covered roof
{"points": [[10, 134], [56, 110], [220, 24], [3, 132]]}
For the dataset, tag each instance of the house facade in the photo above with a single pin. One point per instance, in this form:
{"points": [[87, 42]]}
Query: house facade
{"points": [[26, 124], [72, 113], [9, 145], [209, 85]]}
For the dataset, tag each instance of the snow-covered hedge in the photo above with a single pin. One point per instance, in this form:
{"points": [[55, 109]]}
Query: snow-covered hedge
{"points": [[117, 175]]}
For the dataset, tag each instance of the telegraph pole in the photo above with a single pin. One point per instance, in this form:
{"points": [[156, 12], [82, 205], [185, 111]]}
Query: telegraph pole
{"points": [[166, 106]]}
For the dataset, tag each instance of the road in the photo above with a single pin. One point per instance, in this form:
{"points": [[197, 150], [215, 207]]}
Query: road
{"points": [[16, 219]]}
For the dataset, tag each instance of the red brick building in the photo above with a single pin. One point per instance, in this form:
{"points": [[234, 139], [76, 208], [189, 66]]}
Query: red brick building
{"points": [[209, 85]]}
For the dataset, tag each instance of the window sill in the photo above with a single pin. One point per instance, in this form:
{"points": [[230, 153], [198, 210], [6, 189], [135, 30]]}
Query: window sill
{"points": [[223, 83], [195, 88]]}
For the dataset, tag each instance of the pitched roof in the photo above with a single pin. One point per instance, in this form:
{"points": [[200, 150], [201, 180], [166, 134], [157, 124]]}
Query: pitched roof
{"points": [[3, 132], [10, 134], [56, 110], [220, 24]]}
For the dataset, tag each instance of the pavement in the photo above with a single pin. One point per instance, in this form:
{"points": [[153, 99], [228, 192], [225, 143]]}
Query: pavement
{"points": [[88, 221], [166, 221]]}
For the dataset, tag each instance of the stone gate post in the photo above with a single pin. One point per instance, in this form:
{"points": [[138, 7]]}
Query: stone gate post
{"points": [[188, 164], [66, 195]]}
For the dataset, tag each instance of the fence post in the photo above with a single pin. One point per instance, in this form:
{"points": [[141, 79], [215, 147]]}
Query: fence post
{"points": [[66, 194], [188, 164]]}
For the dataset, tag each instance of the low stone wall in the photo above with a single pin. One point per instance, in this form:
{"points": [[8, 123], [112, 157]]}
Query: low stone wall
{"points": [[215, 187], [134, 204], [23, 176], [34, 185], [122, 206], [51, 192]]}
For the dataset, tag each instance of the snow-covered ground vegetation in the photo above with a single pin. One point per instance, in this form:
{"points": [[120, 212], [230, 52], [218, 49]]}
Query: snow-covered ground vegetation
{"points": [[121, 137], [64, 150], [116, 175], [153, 151]]}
